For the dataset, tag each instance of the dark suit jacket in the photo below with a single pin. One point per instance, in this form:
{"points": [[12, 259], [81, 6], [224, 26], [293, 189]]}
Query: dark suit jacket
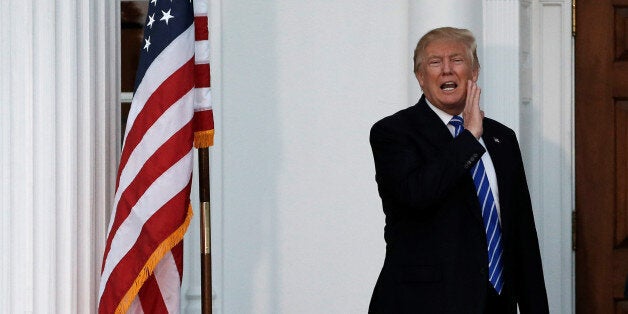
{"points": [[436, 251]]}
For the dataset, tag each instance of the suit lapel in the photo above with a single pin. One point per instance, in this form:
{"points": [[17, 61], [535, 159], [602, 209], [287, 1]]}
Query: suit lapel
{"points": [[436, 132], [427, 123], [495, 145]]}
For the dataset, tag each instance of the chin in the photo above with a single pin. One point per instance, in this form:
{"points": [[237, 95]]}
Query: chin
{"points": [[453, 107], [452, 102]]}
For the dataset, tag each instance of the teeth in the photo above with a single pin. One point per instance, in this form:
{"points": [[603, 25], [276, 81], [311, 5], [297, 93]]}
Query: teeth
{"points": [[448, 86]]}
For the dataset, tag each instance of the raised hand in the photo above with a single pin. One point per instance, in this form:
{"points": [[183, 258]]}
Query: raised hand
{"points": [[472, 114]]}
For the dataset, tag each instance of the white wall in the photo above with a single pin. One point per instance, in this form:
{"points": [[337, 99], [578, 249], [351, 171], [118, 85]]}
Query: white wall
{"points": [[302, 83], [297, 223]]}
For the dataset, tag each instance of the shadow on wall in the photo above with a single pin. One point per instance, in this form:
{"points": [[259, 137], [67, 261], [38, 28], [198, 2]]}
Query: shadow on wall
{"points": [[544, 161], [250, 158]]}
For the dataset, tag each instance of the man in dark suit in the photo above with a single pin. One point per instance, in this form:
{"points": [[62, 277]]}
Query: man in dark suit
{"points": [[460, 234]]}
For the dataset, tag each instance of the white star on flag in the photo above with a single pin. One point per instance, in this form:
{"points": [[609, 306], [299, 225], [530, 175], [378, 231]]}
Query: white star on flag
{"points": [[171, 113], [166, 16], [151, 20], [147, 43]]}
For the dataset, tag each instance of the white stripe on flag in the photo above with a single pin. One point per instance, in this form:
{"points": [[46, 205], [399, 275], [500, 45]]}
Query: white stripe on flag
{"points": [[200, 7], [171, 121], [169, 60], [202, 99], [167, 276], [201, 51], [170, 183], [136, 307]]}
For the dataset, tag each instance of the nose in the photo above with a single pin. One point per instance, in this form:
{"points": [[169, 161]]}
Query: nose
{"points": [[446, 67]]}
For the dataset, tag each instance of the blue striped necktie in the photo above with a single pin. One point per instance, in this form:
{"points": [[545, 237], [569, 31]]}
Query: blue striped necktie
{"points": [[489, 215]]}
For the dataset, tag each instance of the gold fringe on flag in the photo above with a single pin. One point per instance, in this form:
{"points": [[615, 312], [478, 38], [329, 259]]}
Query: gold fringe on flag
{"points": [[153, 260], [203, 139]]}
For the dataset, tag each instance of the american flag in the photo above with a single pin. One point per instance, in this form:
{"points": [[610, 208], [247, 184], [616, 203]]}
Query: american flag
{"points": [[143, 259]]}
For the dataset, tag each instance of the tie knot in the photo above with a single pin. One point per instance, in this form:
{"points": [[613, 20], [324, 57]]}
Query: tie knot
{"points": [[456, 121]]}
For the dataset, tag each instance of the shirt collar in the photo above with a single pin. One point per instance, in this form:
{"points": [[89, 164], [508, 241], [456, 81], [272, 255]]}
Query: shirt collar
{"points": [[440, 113], [446, 118]]}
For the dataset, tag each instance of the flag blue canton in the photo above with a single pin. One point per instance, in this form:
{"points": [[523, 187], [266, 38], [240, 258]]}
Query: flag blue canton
{"points": [[165, 21]]}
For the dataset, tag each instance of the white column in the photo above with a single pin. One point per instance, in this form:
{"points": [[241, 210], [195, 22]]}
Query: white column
{"points": [[547, 138], [427, 15], [57, 150], [500, 71]]}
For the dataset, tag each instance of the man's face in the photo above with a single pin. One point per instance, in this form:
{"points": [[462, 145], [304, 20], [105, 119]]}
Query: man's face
{"points": [[444, 73]]}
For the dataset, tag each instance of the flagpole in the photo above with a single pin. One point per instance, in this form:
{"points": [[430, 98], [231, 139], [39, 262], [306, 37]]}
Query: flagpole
{"points": [[206, 260]]}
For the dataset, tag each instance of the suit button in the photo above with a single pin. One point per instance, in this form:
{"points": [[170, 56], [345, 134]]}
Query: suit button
{"points": [[483, 271]]}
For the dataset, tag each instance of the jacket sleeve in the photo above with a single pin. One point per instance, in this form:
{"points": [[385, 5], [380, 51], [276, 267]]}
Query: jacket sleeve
{"points": [[406, 177]]}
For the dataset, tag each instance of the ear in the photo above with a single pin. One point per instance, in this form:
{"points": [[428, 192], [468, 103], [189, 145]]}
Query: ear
{"points": [[420, 77], [475, 74]]}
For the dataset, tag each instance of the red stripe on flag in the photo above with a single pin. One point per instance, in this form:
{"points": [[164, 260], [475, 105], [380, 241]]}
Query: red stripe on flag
{"points": [[150, 297], [158, 228], [201, 28], [171, 90], [153, 228], [163, 158], [203, 120], [202, 75], [177, 254]]}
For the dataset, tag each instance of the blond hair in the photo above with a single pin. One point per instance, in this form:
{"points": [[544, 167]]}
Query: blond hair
{"points": [[460, 35]]}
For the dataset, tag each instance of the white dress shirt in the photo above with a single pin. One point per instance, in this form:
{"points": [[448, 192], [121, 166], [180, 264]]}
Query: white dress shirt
{"points": [[486, 158]]}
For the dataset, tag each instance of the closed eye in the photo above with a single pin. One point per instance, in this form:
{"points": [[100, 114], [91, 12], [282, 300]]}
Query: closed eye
{"points": [[434, 63]]}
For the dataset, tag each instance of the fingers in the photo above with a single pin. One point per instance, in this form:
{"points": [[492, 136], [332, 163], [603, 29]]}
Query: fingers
{"points": [[475, 96], [472, 101], [472, 113], [469, 99]]}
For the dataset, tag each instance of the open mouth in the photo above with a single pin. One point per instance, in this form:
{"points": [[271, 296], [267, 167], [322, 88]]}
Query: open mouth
{"points": [[448, 86]]}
